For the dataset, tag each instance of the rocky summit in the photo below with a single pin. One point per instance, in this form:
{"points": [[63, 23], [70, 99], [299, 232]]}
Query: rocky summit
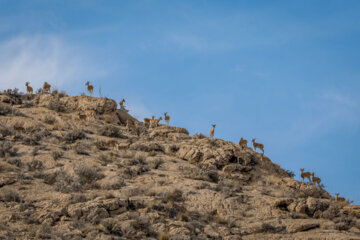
{"points": [[80, 168]]}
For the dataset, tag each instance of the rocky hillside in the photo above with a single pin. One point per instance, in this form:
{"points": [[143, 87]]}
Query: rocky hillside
{"points": [[66, 176]]}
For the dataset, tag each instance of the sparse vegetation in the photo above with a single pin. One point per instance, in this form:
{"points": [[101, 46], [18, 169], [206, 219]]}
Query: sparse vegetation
{"points": [[9, 195], [157, 163], [111, 192], [34, 165], [5, 109], [111, 131], [49, 119], [105, 159], [88, 174], [7, 149], [81, 148], [72, 136], [56, 155]]}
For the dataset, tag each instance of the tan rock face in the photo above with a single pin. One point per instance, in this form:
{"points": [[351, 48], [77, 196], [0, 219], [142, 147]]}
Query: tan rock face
{"points": [[66, 177]]}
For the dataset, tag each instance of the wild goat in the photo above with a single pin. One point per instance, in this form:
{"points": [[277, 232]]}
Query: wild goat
{"points": [[155, 121], [147, 121], [212, 130], [315, 179], [82, 116], [242, 142], [257, 145], [122, 103], [89, 88], [339, 199], [166, 118], [305, 175], [29, 89], [46, 87]]}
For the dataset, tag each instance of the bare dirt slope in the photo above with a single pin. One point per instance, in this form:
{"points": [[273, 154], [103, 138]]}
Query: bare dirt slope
{"points": [[62, 177]]}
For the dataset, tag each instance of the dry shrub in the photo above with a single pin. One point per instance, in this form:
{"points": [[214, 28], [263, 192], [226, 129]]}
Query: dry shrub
{"points": [[78, 197], [200, 174], [5, 109], [199, 136], [30, 141], [175, 196], [48, 119], [88, 174], [9, 195], [34, 165], [157, 163], [56, 154], [72, 136], [111, 131], [105, 159], [7, 149], [27, 104], [100, 145], [81, 148], [15, 161], [56, 105], [4, 131], [64, 183]]}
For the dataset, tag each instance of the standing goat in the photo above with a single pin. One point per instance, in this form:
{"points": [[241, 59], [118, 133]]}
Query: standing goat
{"points": [[212, 130], [339, 199], [147, 121], [305, 175], [243, 142], [155, 121], [89, 88], [46, 87], [122, 103], [315, 179], [257, 145], [29, 89], [166, 118]]}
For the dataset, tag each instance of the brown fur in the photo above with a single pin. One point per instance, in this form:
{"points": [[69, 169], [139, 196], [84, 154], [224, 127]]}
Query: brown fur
{"points": [[315, 179], [82, 116], [46, 87], [257, 145], [243, 142], [89, 88], [212, 130], [339, 199], [305, 175], [155, 122], [166, 118], [29, 89]]}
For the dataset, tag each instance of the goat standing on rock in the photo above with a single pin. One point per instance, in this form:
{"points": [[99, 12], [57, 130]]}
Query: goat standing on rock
{"points": [[243, 142], [305, 175], [166, 118], [212, 130], [29, 89], [315, 180], [258, 145], [89, 88], [46, 87]]}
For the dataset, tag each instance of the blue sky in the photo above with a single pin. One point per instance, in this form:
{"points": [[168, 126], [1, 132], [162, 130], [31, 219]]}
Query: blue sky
{"points": [[284, 72]]}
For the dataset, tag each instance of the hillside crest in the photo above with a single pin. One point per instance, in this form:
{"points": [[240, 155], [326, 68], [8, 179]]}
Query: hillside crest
{"points": [[80, 168]]}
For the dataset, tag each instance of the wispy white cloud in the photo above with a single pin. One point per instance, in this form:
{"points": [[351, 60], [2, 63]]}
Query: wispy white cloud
{"points": [[41, 58], [196, 43], [340, 99]]}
